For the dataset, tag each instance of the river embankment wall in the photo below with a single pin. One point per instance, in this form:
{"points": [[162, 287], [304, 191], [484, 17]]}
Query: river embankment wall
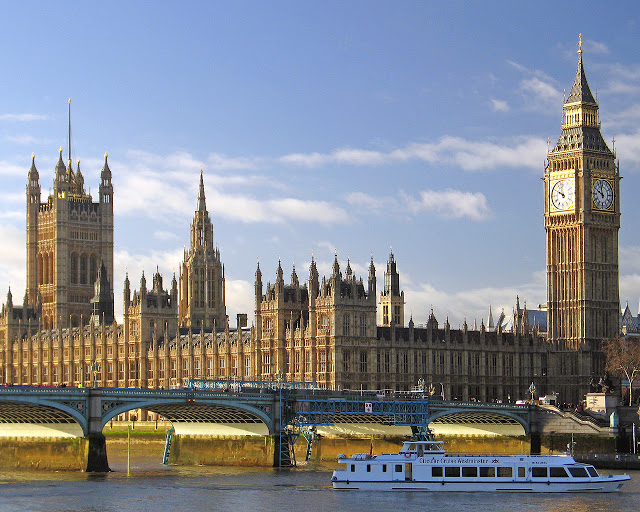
{"points": [[258, 451]]}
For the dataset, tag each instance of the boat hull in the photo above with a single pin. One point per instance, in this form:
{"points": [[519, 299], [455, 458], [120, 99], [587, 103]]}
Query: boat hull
{"points": [[608, 484]]}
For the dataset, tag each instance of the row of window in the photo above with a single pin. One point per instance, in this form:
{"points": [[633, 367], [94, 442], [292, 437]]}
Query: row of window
{"points": [[498, 471]]}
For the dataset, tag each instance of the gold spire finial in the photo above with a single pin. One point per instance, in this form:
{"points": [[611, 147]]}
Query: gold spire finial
{"points": [[60, 149], [78, 161], [33, 155], [580, 43], [69, 100], [106, 154]]}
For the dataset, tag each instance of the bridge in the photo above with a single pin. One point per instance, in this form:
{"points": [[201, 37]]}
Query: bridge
{"points": [[285, 412]]}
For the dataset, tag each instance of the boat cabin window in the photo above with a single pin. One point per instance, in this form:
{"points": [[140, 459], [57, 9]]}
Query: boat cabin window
{"points": [[557, 472], [505, 471], [521, 472], [368, 468], [353, 468], [539, 472], [384, 468], [436, 471], [398, 468], [452, 471], [469, 471], [420, 450], [592, 471], [578, 472], [487, 471]]}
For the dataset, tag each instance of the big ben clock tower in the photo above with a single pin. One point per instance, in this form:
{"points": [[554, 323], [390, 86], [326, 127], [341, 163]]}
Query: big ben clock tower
{"points": [[582, 219]]}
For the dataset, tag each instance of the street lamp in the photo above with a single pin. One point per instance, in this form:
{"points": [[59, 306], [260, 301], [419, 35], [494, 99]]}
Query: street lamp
{"points": [[95, 368], [421, 386]]}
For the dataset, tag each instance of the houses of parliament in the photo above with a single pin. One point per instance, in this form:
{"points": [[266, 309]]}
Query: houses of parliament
{"points": [[337, 330]]}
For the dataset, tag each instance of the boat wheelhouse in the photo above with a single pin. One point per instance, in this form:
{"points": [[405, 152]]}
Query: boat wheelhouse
{"points": [[424, 466]]}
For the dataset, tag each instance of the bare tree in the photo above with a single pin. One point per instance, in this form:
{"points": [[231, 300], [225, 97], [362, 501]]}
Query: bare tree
{"points": [[623, 359]]}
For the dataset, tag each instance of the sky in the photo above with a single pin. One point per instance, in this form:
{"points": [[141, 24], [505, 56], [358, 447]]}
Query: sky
{"points": [[348, 127]]}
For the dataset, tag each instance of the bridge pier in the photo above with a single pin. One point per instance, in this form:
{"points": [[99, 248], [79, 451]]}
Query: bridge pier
{"points": [[97, 453]]}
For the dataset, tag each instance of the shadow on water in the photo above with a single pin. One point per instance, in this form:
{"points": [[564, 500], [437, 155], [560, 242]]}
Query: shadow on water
{"points": [[153, 486]]}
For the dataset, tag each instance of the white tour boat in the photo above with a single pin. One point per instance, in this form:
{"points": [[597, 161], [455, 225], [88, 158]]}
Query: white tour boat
{"points": [[424, 466]]}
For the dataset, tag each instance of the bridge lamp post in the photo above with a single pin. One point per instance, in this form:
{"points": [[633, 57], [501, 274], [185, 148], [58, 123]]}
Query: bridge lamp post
{"points": [[421, 386], [95, 368]]}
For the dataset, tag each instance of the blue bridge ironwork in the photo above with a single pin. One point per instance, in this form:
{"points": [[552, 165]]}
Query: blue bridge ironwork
{"points": [[287, 411]]}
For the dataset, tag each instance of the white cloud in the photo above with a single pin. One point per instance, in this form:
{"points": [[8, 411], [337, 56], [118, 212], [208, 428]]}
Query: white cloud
{"points": [[537, 89], [630, 258], [541, 90], [369, 202], [627, 118], [220, 162], [472, 304], [469, 155], [628, 147], [239, 296], [450, 204], [165, 235], [12, 262], [174, 178], [22, 139], [500, 105], [595, 47], [22, 117], [11, 169]]}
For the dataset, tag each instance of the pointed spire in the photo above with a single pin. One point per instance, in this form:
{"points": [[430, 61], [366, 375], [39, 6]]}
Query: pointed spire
{"points": [[33, 172], [61, 170], [580, 91], [279, 272], [202, 204], [336, 265], [106, 172]]}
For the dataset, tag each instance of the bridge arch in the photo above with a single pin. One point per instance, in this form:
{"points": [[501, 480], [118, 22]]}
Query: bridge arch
{"points": [[202, 411], [44, 412], [476, 416]]}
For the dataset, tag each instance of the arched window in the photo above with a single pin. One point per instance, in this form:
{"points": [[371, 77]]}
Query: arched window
{"points": [[45, 268], [74, 268], [83, 269], [40, 269], [51, 276]]}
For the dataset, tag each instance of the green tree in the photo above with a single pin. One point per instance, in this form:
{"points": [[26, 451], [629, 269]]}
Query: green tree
{"points": [[623, 359]]}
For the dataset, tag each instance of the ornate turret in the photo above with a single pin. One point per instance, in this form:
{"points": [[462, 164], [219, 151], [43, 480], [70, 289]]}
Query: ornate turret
{"points": [[61, 182], [391, 298], [201, 280], [127, 292], [102, 301], [106, 188], [372, 278]]}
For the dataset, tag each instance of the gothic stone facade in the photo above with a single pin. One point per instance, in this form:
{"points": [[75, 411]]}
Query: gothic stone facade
{"points": [[68, 238], [323, 330]]}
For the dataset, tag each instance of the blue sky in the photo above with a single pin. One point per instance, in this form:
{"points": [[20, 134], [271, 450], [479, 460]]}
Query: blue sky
{"points": [[348, 126]]}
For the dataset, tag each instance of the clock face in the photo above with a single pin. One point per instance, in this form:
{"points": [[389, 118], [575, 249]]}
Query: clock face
{"points": [[562, 194], [602, 194]]}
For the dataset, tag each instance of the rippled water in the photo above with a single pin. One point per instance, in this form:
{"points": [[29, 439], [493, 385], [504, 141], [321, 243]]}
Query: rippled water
{"points": [[154, 487]]}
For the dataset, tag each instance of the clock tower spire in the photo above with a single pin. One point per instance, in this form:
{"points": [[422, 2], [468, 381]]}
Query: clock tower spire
{"points": [[582, 219]]}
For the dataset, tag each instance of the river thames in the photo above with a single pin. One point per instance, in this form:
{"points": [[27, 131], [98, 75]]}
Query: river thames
{"points": [[152, 487]]}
